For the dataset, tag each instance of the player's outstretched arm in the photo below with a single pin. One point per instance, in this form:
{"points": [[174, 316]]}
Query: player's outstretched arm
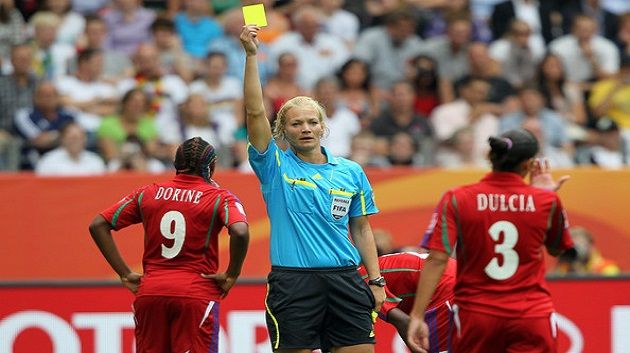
{"points": [[239, 242], [101, 232], [258, 127]]}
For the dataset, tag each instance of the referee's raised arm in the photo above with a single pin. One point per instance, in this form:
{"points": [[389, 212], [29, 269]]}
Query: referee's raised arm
{"points": [[258, 128]]}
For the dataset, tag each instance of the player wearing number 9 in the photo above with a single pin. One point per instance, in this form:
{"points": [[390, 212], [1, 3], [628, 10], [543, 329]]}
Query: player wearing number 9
{"points": [[177, 298], [498, 228]]}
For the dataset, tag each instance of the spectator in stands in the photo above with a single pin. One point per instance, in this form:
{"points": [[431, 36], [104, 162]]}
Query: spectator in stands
{"points": [[608, 21], [172, 57], [165, 92], [16, 89], [11, 30], [606, 146], [519, 53], [283, 85], [89, 97], [116, 64], [223, 94], [229, 45], [586, 259], [438, 14], [622, 37], [51, 58], [541, 16], [71, 23], [451, 50], [128, 25], [362, 150], [318, 53], [339, 22], [342, 123], [400, 116], [196, 121], [470, 110], [458, 151], [132, 124], [88, 8], [387, 49], [356, 91], [16, 92], [196, 28], [561, 95], [539, 120], [71, 158], [404, 151], [40, 125], [610, 97], [481, 65], [586, 55], [431, 90]]}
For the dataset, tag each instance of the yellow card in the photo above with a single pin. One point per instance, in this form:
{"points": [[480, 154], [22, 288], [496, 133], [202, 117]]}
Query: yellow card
{"points": [[255, 15]]}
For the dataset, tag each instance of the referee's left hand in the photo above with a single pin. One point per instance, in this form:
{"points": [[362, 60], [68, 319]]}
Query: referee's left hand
{"points": [[379, 297]]}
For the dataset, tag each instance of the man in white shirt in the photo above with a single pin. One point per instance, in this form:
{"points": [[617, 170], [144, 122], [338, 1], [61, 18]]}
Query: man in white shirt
{"points": [[85, 93], [585, 55], [71, 158], [319, 54]]}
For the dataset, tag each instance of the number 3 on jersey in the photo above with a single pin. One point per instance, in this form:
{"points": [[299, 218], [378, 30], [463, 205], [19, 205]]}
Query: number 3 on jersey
{"points": [[173, 226], [506, 249]]}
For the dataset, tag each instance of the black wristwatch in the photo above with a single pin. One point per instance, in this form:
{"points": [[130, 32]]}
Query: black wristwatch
{"points": [[378, 281]]}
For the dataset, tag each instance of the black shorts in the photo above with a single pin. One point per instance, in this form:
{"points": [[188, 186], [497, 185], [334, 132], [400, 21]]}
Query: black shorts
{"points": [[318, 308]]}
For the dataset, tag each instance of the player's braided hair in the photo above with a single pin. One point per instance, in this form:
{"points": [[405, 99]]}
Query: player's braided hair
{"points": [[195, 156], [512, 148]]}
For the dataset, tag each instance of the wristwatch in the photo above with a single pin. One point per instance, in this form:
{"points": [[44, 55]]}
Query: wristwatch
{"points": [[378, 281]]}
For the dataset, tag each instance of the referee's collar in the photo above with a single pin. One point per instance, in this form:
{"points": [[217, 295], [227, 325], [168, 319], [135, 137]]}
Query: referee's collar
{"points": [[332, 160]]}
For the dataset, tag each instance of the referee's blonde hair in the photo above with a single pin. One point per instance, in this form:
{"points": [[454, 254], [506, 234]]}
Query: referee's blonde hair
{"points": [[299, 101]]}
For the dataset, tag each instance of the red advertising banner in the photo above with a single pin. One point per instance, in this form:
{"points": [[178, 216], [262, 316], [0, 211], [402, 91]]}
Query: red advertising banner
{"points": [[594, 317], [44, 221]]}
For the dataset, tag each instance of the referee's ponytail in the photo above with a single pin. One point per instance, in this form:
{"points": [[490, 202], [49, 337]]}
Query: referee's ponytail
{"points": [[510, 149]]}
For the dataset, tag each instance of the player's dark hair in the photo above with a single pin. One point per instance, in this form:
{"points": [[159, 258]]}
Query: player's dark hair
{"points": [[510, 149], [196, 156]]}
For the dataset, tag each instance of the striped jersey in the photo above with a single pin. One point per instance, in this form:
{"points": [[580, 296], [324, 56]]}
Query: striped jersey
{"points": [[309, 207], [499, 228], [182, 219], [402, 272]]}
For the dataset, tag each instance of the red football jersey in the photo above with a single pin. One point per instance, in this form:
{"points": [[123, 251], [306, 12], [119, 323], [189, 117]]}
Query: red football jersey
{"points": [[402, 272], [182, 219], [499, 228]]}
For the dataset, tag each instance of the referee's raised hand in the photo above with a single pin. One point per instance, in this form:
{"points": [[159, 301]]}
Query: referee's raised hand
{"points": [[249, 39]]}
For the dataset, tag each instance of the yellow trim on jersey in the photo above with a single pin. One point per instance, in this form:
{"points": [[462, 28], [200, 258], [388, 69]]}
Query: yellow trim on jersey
{"points": [[298, 182], [341, 193], [278, 157], [273, 318], [363, 203]]}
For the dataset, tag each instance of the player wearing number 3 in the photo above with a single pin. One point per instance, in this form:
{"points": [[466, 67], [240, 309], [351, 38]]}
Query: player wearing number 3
{"points": [[177, 298], [498, 227]]}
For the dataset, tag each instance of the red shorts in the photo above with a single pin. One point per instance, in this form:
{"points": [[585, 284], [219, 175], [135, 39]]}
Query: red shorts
{"points": [[475, 332], [174, 324]]}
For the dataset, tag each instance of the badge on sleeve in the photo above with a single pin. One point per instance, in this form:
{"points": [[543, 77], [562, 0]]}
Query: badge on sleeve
{"points": [[340, 207]]}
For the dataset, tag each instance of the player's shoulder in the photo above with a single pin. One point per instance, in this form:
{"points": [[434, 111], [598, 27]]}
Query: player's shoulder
{"points": [[347, 165]]}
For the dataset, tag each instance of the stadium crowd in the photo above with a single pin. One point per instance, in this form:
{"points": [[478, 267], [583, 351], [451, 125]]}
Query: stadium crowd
{"points": [[91, 87]]}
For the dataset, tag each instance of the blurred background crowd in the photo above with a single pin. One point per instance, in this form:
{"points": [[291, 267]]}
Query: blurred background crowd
{"points": [[98, 86]]}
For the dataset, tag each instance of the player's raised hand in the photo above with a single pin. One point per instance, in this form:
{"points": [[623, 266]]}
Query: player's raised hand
{"points": [[418, 335], [249, 39], [131, 281], [224, 281], [540, 176]]}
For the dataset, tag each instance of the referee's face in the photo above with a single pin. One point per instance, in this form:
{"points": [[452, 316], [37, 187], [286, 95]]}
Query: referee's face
{"points": [[303, 129]]}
